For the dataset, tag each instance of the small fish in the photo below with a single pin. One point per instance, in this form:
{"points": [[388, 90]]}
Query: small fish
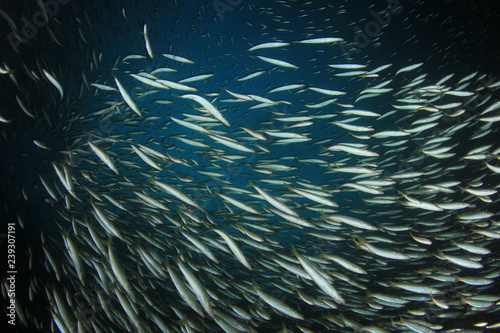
{"points": [[347, 66], [178, 58], [103, 156], [321, 40], [277, 62], [198, 288], [130, 102], [146, 40], [196, 78], [103, 87], [251, 76], [328, 91], [268, 45], [278, 305], [208, 106], [54, 81], [409, 68], [319, 279], [235, 249]]}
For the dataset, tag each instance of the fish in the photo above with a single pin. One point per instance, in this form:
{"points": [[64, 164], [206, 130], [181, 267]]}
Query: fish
{"points": [[133, 57], [277, 62], [347, 66], [328, 91], [232, 144], [314, 197], [460, 261], [345, 263], [239, 204], [384, 253], [287, 87], [190, 125], [274, 202], [146, 40], [409, 68], [103, 87], [353, 150], [126, 97], [149, 81], [105, 222], [54, 82], [321, 40], [103, 156], [4, 120], [176, 193], [178, 58], [175, 85], [251, 76], [208, 106], [146, 158], [196, 78], [118, 271], [355, 128], [235, 249], [268, 45], [351, 73], [278, 305], [75, 256], [198, 289], [318, 278], [351, 221]]}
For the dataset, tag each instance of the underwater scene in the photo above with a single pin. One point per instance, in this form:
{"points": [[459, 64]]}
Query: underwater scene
{"points": [[250, 166]]}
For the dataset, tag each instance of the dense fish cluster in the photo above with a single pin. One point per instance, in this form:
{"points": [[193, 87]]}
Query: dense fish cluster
{"points": [[364, 202]]}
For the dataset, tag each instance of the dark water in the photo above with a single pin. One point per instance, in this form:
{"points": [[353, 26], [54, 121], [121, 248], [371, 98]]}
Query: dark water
{"points": [[447, 37]]}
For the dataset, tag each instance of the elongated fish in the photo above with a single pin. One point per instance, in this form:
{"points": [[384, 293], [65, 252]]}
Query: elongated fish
{"points": [[126, 97], [277, 62], [268, 45], [208, 106], [54, 81]]}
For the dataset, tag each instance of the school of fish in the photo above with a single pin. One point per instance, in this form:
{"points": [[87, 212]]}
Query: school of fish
{"points": [[221, 225]]}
